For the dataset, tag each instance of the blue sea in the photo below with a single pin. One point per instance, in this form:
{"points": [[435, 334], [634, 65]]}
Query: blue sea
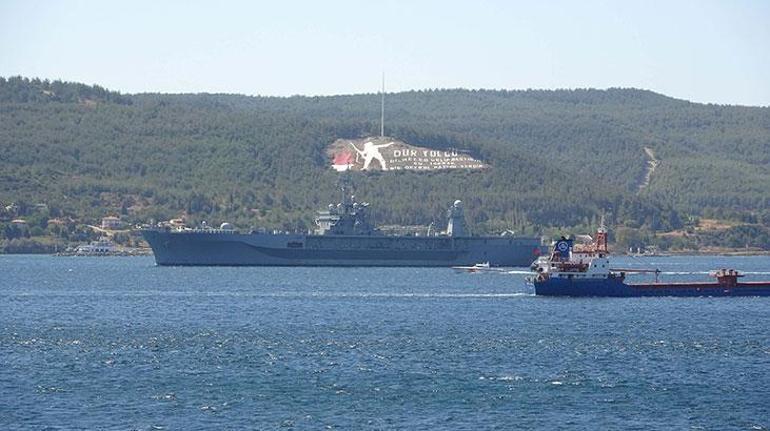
{"points": [[121, 344]]}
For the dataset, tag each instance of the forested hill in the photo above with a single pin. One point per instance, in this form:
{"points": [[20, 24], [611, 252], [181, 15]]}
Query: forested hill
{"points": [[557, 158]]}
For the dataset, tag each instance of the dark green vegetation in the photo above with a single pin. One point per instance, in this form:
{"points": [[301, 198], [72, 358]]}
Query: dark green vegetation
{"points": [[559, 158]]}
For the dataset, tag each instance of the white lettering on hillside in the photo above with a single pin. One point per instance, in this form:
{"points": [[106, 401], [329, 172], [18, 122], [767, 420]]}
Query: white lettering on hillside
{"points": [[395, 155]]}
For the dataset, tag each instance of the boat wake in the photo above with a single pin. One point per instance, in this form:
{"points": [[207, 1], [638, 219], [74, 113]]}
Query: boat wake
{"points": [[418, 295], [288, 295]]}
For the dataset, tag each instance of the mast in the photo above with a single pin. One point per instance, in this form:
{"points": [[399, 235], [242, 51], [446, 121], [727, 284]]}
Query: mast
{"points": [[382, 108], [344, 184], [601, 237]]}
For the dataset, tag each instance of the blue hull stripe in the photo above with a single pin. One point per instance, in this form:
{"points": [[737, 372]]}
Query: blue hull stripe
{"points": [[615, 287]]}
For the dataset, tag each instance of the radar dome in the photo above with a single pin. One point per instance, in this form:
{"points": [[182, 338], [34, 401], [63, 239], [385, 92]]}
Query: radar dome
{"points": [[458, 203], [226, 226]]}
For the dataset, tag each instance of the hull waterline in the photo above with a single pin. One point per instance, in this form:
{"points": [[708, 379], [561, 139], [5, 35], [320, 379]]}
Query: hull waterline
{"points": [[258, 249]]}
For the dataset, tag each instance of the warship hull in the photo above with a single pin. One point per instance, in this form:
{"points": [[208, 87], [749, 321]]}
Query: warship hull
{"points": [[222, 248]]}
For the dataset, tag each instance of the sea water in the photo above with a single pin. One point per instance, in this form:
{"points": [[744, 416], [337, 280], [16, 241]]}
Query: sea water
{"points": [[119, 343]]}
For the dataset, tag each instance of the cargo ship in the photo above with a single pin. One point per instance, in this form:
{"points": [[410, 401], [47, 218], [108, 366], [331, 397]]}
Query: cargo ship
{"points": [[343, 236], [584, 270]]}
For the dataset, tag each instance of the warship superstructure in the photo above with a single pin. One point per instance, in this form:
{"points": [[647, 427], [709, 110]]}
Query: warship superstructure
{"points": [[344, 236]]}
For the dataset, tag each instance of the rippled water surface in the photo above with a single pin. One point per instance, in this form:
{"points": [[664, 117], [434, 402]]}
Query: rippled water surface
{"points": [[118, 343]]}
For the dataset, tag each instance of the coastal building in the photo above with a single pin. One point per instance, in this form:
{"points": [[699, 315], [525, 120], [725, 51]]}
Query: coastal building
{"points": [[177, 222], [101, 246], [111, 222], [12, 208]]}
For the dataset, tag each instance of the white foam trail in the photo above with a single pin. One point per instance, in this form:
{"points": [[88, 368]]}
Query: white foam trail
{"points": [[421, 295], [515, 271], [245, 294]]}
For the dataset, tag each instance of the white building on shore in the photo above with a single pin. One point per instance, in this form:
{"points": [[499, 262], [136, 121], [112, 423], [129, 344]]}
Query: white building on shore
{"points": [[111, 223]]}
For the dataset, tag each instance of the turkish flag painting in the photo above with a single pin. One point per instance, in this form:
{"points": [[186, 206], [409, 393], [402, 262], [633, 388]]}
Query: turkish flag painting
{"points": [[342, 161]]}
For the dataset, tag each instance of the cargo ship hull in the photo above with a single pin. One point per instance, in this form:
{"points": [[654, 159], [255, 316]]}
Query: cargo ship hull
{"points": [[182, 248], [616, 287]]}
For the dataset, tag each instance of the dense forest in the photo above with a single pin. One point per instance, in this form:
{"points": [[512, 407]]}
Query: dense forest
{"points": [[558, 159]]}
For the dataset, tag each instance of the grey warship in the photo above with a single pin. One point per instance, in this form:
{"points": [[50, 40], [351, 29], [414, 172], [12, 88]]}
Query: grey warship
{"points": [[343, 237]]}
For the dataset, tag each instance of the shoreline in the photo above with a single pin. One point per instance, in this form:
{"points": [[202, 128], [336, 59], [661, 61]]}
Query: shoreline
{"points": [[713, 253], [720, 252]]}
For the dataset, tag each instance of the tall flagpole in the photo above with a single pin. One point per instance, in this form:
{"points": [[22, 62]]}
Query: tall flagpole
{"points": [[382, 108]]}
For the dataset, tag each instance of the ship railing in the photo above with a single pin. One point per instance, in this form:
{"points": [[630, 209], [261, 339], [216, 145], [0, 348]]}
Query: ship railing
{"points": [[625, 271], [206, 230]]}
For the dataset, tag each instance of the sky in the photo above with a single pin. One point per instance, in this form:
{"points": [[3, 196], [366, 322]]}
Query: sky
{"points": [[703, 51]]}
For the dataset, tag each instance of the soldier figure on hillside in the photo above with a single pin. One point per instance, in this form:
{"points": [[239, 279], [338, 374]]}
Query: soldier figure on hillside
{"points": [[370, 152]]}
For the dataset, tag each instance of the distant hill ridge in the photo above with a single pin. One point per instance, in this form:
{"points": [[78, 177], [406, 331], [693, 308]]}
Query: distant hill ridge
{"points": [[24, 90], [558, 158]]}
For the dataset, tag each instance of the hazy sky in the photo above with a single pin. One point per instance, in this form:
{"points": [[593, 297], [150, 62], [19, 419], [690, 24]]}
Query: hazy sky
{"points": [[704, 51]]}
